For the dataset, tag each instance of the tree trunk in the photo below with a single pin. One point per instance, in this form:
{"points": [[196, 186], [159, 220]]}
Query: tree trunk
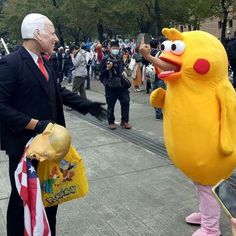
{"points": [[158, 19], [109, 33], [141, 24], [100, 30], [55, 3], [60, 35], [224, 23]]}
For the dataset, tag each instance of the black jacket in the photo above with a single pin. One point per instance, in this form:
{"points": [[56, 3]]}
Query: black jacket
{"points": [[116, 71], [26, 94], [231, 49]]}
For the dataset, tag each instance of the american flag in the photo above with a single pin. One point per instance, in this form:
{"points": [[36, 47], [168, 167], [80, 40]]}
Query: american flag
{"points": [[28, 187]]}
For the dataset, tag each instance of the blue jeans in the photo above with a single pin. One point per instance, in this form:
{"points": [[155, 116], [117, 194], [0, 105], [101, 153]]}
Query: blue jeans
{"points": [[122, 94]]}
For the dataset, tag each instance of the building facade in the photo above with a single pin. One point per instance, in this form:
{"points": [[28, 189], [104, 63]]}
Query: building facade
{"points": [[214, 26]]}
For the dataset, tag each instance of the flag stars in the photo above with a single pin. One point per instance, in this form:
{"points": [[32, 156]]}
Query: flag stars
{"points": [[31, 169]]}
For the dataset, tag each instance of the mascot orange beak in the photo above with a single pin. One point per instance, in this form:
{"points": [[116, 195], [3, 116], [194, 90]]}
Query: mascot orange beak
{"points": [[170, 67]]}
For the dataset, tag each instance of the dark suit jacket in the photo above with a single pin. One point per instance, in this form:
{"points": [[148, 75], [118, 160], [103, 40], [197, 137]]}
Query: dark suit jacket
{"points": [[26, 94]]}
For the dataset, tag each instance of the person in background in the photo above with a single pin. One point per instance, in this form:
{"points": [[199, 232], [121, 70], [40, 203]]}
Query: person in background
{"points": [[60, 58], [68, 65], [54, 62], [100, 55], [148, 83], [112, 68], [231, 51], [133, 46], [31, 98], [137, 71], [158, 83], [93, 66], [88, 64], [79, 74], [2, 53], [126, 56]]}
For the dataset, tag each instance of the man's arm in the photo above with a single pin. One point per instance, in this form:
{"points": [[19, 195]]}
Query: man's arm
{"points": [[75, 101], [83, 105]]}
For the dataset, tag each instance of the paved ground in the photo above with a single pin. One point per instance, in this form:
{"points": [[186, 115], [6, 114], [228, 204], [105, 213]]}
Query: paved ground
{"points": [[133, 191]]}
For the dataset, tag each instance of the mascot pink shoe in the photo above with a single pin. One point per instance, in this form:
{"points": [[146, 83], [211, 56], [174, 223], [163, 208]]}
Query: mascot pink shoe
{"points": [[210, 212], [194, 218]]}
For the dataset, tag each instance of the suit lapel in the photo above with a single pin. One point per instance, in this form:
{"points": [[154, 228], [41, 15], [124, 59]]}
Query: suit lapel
{"points": [[35, 69]]}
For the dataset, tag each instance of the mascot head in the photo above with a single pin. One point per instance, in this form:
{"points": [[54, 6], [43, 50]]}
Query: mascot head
{"points": [[197, 55], [52, 144]]}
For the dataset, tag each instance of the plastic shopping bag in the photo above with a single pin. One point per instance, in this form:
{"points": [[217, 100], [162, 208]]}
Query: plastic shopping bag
{"points": [[63, 181]]}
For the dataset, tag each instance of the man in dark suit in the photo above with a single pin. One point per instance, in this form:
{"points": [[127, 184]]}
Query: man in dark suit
{"points": [[30, 98]]}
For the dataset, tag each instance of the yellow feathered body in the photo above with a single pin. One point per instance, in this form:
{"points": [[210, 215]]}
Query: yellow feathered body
{"points": [[200, 110]]}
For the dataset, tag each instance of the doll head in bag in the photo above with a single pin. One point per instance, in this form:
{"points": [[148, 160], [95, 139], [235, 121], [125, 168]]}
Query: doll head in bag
{"points": [[52, 144]]}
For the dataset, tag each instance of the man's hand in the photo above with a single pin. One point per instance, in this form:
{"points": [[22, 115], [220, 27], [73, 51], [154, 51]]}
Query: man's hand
{"points": [[109, 65], [145, 49], [98, 111], [41, 126]]}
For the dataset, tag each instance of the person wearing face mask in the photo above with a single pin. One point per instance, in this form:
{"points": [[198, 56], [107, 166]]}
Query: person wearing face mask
{"points": [[112, 69], [31, 98]]}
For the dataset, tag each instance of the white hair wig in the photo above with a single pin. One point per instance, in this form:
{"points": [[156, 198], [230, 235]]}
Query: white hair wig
{"points": [[30, 23]]}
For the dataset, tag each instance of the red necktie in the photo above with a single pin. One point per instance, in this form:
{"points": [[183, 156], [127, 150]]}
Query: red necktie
{"points": [[42, 68]]}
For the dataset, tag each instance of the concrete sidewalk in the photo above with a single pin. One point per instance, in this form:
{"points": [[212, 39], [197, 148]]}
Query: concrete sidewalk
{"points": [[132, 191]]}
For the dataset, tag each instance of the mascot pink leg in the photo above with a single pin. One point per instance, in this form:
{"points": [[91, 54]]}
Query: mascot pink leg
{"points": [[209, 215], [195, 217]]}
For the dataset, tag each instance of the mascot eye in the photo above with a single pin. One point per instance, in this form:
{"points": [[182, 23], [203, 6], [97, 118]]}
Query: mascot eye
{"points": [[166, 46], [178, 47]]}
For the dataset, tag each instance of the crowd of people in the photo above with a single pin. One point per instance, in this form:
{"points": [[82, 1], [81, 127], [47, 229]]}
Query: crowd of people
{"points": [[78, 64], [95, 52]]}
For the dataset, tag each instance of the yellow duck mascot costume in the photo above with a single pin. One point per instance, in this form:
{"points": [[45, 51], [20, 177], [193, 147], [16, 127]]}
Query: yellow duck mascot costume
{"points": [[199, 119]]}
